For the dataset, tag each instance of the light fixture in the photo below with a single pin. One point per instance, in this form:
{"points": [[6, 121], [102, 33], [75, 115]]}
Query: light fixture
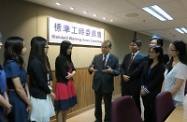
{"points": [[184, 30], [94, 15], [158, 12], [72, 8], [104, 18], [111, 20], [181, 30], [58, 3], [84, 12]]}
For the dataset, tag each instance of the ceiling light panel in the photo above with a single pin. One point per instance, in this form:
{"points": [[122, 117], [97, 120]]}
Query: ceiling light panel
{"points": [[181, 30], [158, 12]]}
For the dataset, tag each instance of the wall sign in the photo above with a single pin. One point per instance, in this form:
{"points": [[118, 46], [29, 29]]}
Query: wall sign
{"points": [[78, 34]]}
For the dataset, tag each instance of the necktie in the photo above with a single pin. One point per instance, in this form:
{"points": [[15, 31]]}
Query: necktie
{"points": [[103, 62], [131, 59]]}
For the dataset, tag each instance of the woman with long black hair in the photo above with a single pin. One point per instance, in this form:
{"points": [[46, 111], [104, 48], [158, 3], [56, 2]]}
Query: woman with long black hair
{"points": [[40, 81], [176, 71], [18, 93], [64, 89]]}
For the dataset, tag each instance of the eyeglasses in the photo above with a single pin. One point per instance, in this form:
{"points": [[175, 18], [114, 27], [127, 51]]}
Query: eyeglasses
{"points": [[132, 45], [151, 52], [46, 47], [153, 43], [104, 47], [171, 49]]}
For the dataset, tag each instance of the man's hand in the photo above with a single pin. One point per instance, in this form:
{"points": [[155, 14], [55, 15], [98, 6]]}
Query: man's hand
{"points": [[92, 69], [108, 70], [126, 78]]}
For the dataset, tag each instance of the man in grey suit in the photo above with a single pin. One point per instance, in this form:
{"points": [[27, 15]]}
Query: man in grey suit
{"points": [[105, 66]]}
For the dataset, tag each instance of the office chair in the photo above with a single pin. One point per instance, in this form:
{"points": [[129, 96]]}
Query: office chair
{"points": [[164, 106], [124, 110]]}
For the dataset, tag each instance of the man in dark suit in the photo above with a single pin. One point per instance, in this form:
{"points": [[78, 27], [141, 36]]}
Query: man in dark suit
{"points": [[155, 40], [131, 70], [105, 66]]}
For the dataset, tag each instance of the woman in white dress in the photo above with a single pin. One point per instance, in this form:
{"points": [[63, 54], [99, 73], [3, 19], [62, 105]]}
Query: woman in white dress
{"points": [[40, 81], [176, 72]]}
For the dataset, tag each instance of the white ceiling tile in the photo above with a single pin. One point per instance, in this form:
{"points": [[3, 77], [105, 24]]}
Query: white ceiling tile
{"points": [[184, 3], [172, 6], [115, 6], [127, 14], [93, 2], [179, 15], [178, 23], [144, 3]]}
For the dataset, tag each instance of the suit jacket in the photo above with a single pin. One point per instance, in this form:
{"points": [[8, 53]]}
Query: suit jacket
{"points": [[100, 77], [165, 58], [135, 69], [38, 83], [62, 67], [153, 81]]}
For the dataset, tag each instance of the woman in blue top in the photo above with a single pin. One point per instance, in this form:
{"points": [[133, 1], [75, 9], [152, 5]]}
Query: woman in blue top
{"points": [[4, 103], [16, 79]]}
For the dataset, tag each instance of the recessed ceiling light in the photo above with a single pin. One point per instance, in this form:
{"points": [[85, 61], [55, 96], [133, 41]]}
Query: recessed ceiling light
{"points": [[104, 18], [158, 12], [84, 12], [111, 20], [94, 15], [72, 8], [58, 3]]}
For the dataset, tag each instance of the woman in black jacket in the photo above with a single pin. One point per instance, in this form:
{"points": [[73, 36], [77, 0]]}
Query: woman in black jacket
{"points": [[151, 82], [64, 90], [40, 81]]}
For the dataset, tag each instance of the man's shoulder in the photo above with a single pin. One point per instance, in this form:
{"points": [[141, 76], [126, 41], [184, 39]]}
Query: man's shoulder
{"points": [[98, 55], [140, 53], [128, 54], [113, 56]]}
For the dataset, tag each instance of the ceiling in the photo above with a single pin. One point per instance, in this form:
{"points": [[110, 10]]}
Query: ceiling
{"points": [[129, 14]]}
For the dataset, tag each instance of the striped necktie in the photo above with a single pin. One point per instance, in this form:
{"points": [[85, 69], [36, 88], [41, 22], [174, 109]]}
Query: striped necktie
{"points": [[104, 61], [131, 59]]}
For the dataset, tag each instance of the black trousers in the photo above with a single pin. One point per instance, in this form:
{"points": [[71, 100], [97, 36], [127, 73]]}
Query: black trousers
{"points": [[134, 91], [98, 109], [149, 109]]}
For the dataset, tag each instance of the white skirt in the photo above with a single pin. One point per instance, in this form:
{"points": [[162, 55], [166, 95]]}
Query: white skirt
{"points": [[42, 109]]}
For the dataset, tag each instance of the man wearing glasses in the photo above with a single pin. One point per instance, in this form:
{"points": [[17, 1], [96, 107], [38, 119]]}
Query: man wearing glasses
{"points": [[131, 70], [159, 42]]}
